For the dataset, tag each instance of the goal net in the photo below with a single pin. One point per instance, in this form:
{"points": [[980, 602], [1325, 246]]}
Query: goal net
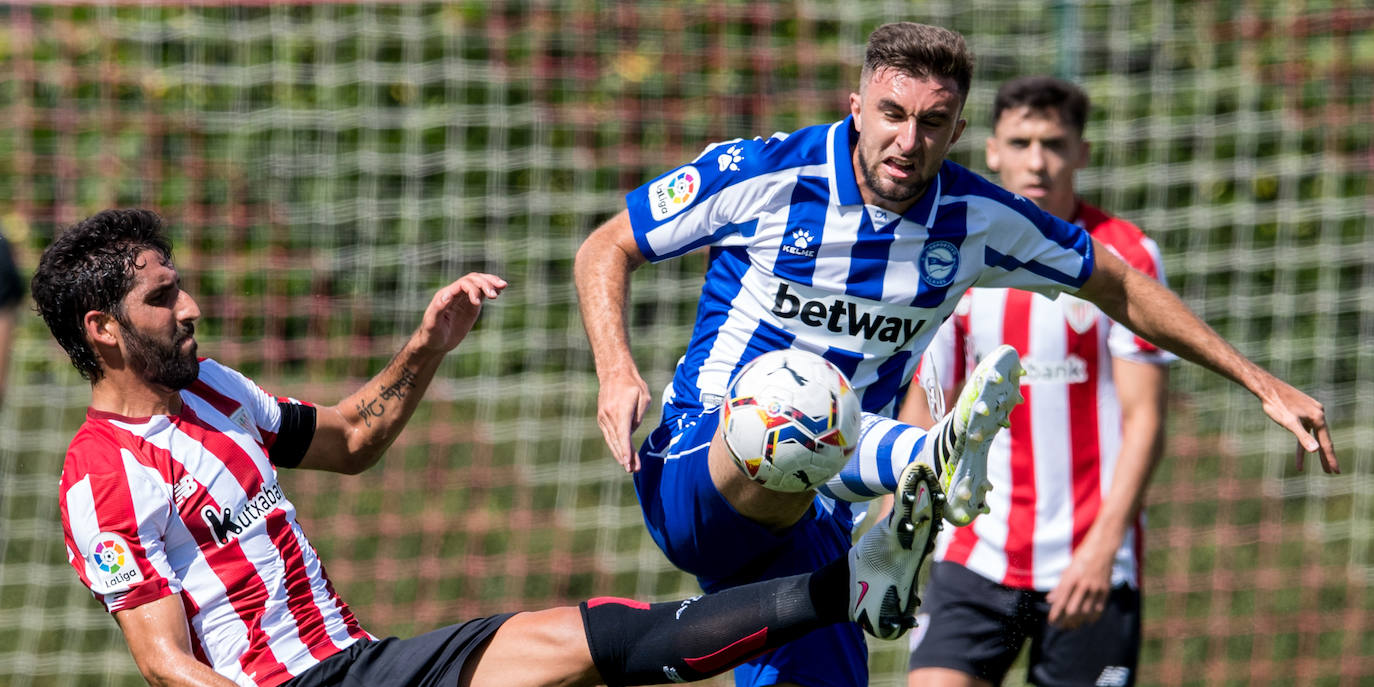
{"points": [[325, 166]]}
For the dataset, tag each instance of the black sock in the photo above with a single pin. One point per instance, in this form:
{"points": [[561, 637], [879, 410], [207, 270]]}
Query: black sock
{"points": [[635, 643]]}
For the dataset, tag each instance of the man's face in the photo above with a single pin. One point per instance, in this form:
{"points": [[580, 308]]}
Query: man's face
{"points": [[1036, 154], [906, 125], [158, 325]]}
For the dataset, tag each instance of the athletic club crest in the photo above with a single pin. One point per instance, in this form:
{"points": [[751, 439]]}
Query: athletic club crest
{"points": [[939, 262], [1080, 314]]}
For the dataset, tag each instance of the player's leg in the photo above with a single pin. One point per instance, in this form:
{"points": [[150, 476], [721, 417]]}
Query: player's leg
{"points": [[625, 642], [971, 630], [776, 510], [956, 448]]}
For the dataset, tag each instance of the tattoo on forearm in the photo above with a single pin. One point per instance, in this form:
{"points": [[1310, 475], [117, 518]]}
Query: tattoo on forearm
{"points": [[400, 387], [373, 408], [370, 409]]}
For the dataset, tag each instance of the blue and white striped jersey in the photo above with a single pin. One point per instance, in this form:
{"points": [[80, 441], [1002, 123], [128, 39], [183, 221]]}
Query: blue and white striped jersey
{"points": [[798, 260]]}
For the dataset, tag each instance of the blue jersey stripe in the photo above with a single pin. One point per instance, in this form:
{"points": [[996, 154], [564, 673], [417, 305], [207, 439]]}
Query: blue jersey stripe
{"points": [[846, 183], [953, 223], [805, 230], [723, 283], [1008, 263], [745, 228], [868, 260], [892, 377]]}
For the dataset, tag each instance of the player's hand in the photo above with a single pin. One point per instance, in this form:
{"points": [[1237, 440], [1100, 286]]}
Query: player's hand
{"points": [[1305, 417], [620, 407], [1082, 592], [454, 309]]}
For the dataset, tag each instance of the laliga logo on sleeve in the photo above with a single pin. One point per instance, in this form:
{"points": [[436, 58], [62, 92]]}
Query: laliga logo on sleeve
{"points": [[672, 193], [938, 264], [114, 565]]}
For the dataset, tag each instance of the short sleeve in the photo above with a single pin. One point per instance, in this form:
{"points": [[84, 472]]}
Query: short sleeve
{"points": [[115, 525], [1029, 248], [260, 408], [716, 196], [1143, 255]]}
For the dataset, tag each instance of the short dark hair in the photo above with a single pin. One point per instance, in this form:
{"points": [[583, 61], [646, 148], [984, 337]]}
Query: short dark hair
{"points": [[919, 50], [90, 266], [1043, 94]]}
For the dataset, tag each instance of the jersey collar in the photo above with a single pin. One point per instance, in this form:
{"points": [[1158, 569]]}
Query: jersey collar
{"points": [[844, 185]]}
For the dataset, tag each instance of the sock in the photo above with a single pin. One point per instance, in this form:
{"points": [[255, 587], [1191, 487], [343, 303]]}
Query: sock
{"points": [[886, 446], [637, 643]]}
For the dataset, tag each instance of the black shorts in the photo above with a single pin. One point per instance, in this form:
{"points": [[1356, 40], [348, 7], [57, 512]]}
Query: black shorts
{"points": [[433, 658], [976, 626]]}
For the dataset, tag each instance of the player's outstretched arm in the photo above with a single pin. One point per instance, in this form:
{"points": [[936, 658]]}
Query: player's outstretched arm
{"points": [[1155, 313], [1082, 592], [161, 645], [602, 274], [351, 436]]}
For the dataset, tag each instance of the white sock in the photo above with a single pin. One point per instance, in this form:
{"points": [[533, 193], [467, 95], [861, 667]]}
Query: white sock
{"points": [[885, 448]]}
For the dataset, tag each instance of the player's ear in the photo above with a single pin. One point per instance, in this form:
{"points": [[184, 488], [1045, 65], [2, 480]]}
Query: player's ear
{"points": [[100, 328], [1085, 154], [855, 107], [958, 131], [993, 155]]}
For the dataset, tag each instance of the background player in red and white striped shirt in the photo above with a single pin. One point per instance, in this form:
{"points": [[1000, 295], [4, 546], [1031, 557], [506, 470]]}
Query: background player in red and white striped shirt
{"points": [[175, 520], [1058, 557]]}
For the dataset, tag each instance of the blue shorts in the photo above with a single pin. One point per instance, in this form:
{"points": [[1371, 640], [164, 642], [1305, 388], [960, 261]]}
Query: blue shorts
{"points": [[703, 535]]}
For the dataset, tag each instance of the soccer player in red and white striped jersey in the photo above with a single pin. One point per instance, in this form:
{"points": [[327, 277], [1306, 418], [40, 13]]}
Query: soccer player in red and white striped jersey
{"points": [[1058, 557], [174, 518]]}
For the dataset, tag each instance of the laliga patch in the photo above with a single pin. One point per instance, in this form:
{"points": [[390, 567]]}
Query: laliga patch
{"points": [[938, 264], [669, 195], [112, 565]]}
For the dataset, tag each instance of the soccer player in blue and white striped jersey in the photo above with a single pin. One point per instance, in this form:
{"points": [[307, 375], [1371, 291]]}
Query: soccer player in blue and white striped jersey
{"points": [[853, 240]]}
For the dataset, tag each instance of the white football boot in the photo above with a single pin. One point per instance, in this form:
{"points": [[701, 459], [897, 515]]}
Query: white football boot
{"points": [[959, 443], [885, 564]]}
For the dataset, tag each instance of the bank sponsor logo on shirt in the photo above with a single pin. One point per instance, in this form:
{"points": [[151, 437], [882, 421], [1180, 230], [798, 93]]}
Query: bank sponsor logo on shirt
{"points": [[1071, 370], [939, 262], [227, 525], [113, 563], [859, 320], [672, 193], [798, 242]]}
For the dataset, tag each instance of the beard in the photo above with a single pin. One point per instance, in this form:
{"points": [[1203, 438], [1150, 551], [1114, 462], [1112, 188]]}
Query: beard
{"points": [[888, 189], [163, 364]]}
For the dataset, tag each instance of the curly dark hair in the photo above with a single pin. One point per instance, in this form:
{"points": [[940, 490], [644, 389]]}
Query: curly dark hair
{"points": [[90, 266]]}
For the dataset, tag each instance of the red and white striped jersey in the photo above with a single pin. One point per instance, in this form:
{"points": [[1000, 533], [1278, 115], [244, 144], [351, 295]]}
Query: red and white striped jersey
{"points": [[189, 504], [1051, 469]]}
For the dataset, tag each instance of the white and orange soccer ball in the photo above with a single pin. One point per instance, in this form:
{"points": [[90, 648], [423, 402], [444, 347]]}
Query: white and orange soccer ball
{"points": [[791, 420]]}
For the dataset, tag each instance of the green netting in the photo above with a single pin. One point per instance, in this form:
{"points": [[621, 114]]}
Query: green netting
{"points": [[326, 165]]}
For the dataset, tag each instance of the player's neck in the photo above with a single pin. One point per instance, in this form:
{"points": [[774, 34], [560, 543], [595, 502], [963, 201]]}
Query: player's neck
{"points": [[1065, 208], [122, 393]]}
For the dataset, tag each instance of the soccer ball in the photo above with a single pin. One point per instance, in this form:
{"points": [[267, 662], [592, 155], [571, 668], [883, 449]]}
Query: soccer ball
{"points": [[791, 420]]}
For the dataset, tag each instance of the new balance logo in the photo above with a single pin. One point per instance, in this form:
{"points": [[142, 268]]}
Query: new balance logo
{"points": [[1113, 676], [844, 317]]}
